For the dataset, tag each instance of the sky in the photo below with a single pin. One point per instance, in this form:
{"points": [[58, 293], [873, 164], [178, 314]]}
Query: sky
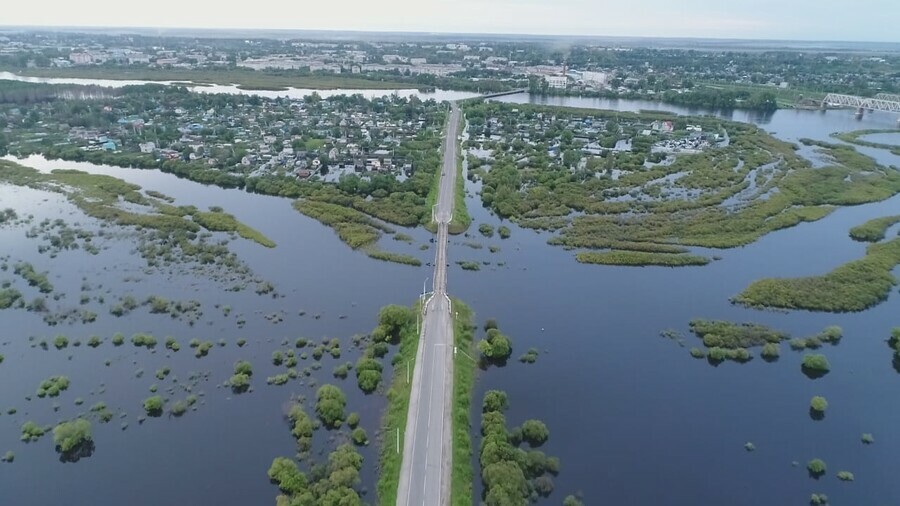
{"points": [[859, 20]]}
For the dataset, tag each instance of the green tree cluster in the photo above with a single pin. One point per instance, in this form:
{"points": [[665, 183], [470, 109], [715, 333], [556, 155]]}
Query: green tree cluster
{"points": [[333, 484], [330, 403], [302, 427], [495, 346], [511, 476], [69, 436]]}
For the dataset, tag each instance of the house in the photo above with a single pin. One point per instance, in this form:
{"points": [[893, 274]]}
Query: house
{"points": [[147, 147], [109, 146], [662, 126]]}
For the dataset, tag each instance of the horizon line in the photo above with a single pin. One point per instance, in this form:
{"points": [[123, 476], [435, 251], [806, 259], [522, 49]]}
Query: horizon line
{"points": [[123, 28]]}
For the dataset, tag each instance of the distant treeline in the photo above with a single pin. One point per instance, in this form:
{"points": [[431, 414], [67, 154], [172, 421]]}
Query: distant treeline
{"points": [[23, 93]]}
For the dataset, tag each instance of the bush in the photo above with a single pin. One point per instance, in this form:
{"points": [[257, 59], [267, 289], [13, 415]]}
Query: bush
{"points": [[153, 406], [52, 386], [94, 341], [818, 404], [32, 432], [144, 340], [61, 342], [243, 367], [486, 230], [867, 439], [818, 499], [359, 436], [330, 403], [285, 474], [178, 408], [278, 379], [69, 436], [494, 400], [239, 382], [368, 374], [118, 339], [504, 232], [817, 364], [341, 371], [529, 357], [203, 348], [353, 420], [698, 353], [495, 346], [845, 475], [534, 432], [816, 467], [770, 351]]}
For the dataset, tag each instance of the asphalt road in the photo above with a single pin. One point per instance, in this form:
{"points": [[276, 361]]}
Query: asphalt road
{"points": [[425, 472]]}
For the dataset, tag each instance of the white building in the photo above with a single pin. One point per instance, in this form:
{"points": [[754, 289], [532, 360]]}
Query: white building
{"points": [[595, 78], [559, 82], [80, 58], [147, 147]]}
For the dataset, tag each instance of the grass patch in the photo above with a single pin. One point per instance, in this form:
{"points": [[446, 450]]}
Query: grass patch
{"points": [[854, 138], [463, 382], [469, 266], [725, 334], [461, 217], [353, 227], [854, 286], [398, 258], [218, 221], [873, 230], [639, 258], [389, 461]]}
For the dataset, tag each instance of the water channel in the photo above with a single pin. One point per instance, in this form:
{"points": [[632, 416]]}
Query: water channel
{"points": [[633, 418]]}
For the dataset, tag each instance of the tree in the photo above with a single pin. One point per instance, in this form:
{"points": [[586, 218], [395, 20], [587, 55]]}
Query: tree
{"points": [[359, 436], [816, 467], [239, 382], [284, 472], [535, 432], [330, 405], [392, 319], [818, 404], [571, 500], [153, 405], [506, 484], [68, 436], [494, 400], [243, 367], [496, 346], [815, 365]]}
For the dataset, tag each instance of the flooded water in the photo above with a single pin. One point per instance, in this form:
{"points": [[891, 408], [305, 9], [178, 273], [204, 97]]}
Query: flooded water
{"points": [[633, 418], [219, 454]]}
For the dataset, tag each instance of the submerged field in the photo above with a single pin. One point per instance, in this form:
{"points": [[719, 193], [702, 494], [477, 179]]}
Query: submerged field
{"points": [[739, 188]]}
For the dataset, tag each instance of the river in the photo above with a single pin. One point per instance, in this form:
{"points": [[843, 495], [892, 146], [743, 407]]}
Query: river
{"points": [[633, 418], [231, 89]]}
